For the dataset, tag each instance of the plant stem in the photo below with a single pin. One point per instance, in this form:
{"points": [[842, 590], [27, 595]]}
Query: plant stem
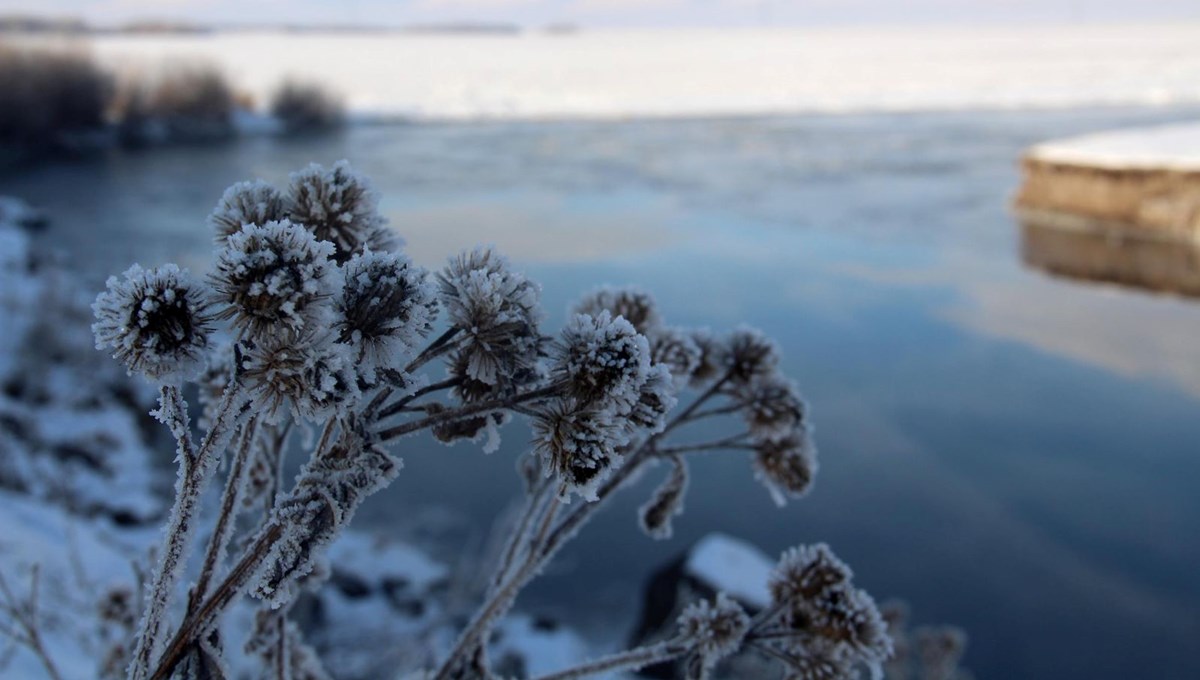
{"points": [[398, 405], [195, 468], [466, 410], [630, 660], [230, 503]]}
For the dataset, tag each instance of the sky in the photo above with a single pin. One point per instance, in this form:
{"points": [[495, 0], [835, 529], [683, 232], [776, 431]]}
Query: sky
{"points": [[653, 13]]}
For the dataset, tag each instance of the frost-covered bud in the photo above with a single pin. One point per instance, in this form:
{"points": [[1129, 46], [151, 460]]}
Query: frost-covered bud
{"points": [[675, 348], [751, 355], [773, 408], [666, 502], [155, 321], [603, 361], [786, 466], [386, 307], [629, 302], [309, 374], [939, 649], [472, 428], [715, 630], [714, 357], [339, 206], [255, 202], [826, 611], [497, 312], [274, 278], [578, 445], [656, 398]]}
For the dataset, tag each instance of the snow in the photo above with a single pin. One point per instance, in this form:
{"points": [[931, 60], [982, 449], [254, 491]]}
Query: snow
{"points": [[703, 72], [1166, 147], [732, 566]]}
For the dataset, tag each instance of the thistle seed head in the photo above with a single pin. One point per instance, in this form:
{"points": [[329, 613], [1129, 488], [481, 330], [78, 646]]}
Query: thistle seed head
{"points": [[275, 278], [666, 503], [498, 314], [155, 321], [786, 466], [386, 307], [773, 407], [628, 302], [578, 445], [716, 630], [339, 206], [310, 375], [603, 361], [255, 202], [656, 398], [675, 348], [751, 355], [714, 357]]}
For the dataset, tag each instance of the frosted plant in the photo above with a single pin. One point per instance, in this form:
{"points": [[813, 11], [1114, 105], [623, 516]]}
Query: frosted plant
{"points": [[155, 321], [274, 273], [339, 206], [330, 333], [255, 202]]}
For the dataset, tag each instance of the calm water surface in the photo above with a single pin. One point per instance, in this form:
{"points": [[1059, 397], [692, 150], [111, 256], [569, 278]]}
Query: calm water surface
{"points": [[1010, 452]]}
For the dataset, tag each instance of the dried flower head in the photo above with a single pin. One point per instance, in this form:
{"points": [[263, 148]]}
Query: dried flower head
{"points": [[603, 361], [219, 368], [656, 398], [773, 407], [275, 277], [629, 302], [786, 466], [939, 650], [826, 613], [751, 355], [309, 374], [578, 445], [716, 630], [155, 321], [497, 311], [714, 357], [339, 206], [255, 202], [667, 502], [386, 307], [675, 348]]}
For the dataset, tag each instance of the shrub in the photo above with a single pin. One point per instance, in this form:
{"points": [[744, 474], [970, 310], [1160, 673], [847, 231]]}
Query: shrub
{"points": [[49, 96], [182, 102], [306, 107]]}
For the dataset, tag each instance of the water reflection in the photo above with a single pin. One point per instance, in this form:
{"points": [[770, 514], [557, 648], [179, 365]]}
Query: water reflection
{"points": [[1079, 249]]}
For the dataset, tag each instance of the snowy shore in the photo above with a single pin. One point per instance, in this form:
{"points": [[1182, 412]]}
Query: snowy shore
{"points": [[613, 74]]}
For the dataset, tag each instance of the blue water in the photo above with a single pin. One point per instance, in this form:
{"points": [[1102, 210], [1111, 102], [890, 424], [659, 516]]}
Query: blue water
{"points": [[1013, 453]]}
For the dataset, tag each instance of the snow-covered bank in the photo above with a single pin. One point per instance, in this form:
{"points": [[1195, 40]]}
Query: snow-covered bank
{"points": [[1145, 180], [649, 73]]}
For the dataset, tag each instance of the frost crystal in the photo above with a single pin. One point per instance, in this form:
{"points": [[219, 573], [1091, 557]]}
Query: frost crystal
{"points": [[310, 374], [275, 274], [666, 502], [339, 206], [155, 321], [786, 466], [751, 355], [497, 311], [579, 445], [255, 202], [629, 302], [773, 407], [715, 629], [386, 307], [603, 361], [675, 348]]}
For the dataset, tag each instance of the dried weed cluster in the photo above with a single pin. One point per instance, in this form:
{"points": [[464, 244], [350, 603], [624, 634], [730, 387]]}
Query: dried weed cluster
{"points": [[325, 322]]}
